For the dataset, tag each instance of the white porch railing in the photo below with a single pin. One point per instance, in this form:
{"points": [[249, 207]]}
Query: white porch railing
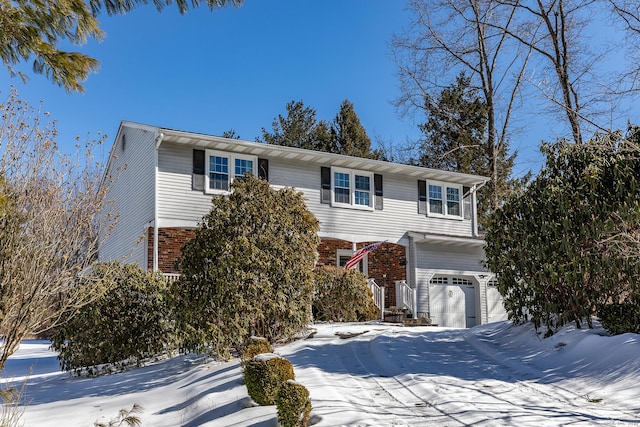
{"points": [[378, 296], [171, 277], [406, 297]]}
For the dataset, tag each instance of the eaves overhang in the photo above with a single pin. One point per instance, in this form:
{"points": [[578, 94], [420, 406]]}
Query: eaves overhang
{"points": [[445, 239], [198, 140]]}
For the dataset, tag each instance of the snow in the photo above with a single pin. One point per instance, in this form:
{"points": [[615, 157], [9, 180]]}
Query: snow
{"points": [[370, 374]]}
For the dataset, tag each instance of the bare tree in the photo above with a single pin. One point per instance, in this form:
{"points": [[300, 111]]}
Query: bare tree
{"points": [[557, 32], [628, 13], [448, 37], [48, 224]]}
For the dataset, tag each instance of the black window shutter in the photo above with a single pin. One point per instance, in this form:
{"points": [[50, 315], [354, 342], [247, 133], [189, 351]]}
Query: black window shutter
{"points": [[466, 202], [422, 197], [197, 178], [377, 185], [325, 183], [263, 169]]}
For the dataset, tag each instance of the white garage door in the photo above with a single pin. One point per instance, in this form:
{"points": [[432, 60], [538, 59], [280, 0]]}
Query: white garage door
{"points": [[495, 305], [452, 301]]}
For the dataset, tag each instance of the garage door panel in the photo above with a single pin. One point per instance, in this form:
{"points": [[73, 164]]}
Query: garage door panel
{"points": [[448, 305], [495, 305]]}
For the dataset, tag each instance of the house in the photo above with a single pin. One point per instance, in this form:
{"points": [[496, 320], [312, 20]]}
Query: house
{"points": [[431, 264]]}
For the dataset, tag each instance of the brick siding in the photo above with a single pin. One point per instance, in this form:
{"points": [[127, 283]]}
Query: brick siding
{"points": [[170, 243], [386, 264]]}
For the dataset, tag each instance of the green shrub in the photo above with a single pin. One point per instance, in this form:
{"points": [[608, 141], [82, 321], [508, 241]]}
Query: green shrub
{"points": [[129, 322], [567, 244], [264, 376], [342, 295], [253, 347], [248, 269], [294, 407], [620, 318]]}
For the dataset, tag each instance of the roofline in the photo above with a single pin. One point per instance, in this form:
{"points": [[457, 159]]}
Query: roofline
{"points": [[239, 145], [257, 148]]}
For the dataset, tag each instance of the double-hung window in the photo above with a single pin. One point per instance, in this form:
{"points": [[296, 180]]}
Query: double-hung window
{"points": [[444, 199], [351, 188], [222, 168]]}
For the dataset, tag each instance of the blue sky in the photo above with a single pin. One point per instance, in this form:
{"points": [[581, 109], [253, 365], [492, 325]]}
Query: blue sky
{"points": [[236, 68]]}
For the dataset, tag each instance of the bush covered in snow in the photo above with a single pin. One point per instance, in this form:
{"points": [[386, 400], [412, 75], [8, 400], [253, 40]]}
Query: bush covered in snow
{"points": [[253, 347], [342, 295], [130, 321], [294, 406], [264, 375]]}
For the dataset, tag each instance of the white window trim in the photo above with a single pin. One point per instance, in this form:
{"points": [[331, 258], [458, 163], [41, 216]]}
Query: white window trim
{"points": [[232, 160], [352, 189], [349, 253], [444, 186]]}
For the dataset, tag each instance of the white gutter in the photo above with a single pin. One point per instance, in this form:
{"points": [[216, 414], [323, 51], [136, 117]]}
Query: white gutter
{"points": [[155, 204], [474, 204]]}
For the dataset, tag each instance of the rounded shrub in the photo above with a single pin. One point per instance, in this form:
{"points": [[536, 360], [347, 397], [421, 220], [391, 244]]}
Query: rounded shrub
{"points": [[342, 295], [128, 320], [253, 347], [294, 406], [620, 318], [264, 375]]}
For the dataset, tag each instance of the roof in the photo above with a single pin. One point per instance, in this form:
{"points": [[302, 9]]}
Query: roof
{"points": [[308, 156]]}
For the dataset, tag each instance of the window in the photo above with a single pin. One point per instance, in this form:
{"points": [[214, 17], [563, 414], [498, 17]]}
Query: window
{"points": [[462, 282], [223, 168], [439, 280], [435, 199], [444, 200], [345, 254], [352, 188]]}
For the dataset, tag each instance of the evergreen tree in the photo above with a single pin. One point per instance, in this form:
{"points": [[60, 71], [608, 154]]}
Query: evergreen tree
{"points": [[248, 270], [299, 129], [350, 136], [455, 130], [231, 134], [456, 140]]}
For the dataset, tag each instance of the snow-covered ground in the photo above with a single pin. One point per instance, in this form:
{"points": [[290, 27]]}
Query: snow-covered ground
{"points": [[388, 375]]}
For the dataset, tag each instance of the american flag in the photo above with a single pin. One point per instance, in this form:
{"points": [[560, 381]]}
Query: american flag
{"points": [[357, 257]]}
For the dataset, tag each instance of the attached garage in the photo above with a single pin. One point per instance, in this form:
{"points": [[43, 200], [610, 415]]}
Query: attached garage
{"points": [[453, 301]]}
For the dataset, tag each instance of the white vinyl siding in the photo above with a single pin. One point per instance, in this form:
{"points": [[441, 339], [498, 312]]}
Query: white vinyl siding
{"points": [[133, 203], [177, 200]]}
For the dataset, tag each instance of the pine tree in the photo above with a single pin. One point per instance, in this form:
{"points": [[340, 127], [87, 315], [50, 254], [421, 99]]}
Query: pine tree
{"points": [[456, 140], [299, 129], [350, 136]]}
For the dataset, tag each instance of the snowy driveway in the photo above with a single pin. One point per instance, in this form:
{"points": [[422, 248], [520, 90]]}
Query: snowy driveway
{"points": [[492, 375], [399, 376]]}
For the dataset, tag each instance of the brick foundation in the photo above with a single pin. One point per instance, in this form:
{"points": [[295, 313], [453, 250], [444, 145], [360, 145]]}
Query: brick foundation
{"points": [[170, 243], [386, 264]]}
